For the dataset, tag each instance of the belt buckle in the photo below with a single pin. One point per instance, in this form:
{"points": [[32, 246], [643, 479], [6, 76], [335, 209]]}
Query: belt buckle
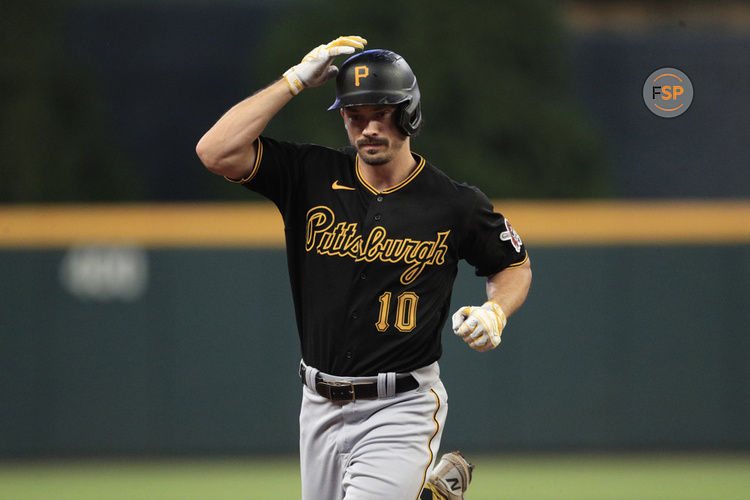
{"points": [[341, 391]]}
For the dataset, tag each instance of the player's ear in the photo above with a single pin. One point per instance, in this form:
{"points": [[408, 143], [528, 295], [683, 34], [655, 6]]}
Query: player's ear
{"points": [[343, 117]]}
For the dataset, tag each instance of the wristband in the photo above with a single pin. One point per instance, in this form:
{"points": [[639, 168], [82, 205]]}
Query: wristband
{"points": [[295, 84], [495, 307]]}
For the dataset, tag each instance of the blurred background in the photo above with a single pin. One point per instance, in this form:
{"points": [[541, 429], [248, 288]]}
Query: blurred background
{"points": [[144, 302]]}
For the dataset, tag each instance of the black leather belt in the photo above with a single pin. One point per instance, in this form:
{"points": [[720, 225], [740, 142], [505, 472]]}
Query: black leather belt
{"points": [[345, 391]]}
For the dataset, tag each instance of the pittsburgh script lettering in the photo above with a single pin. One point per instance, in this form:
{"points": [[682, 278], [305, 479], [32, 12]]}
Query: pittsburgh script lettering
{"points": [[342, 239]]}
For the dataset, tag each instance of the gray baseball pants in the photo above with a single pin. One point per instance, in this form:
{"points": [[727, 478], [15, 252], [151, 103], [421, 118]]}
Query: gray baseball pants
{"points": [[371, 449]]}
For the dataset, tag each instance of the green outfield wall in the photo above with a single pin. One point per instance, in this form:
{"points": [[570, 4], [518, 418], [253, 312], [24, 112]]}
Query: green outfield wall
{"points": [[148, 349]]}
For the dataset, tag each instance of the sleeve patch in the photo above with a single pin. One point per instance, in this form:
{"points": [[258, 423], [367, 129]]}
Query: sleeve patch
{"points": [[511, 235]]}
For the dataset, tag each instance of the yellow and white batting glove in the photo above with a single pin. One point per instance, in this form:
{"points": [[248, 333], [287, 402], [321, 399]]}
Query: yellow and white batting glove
{"points": [[315, 68], [480, 327]]}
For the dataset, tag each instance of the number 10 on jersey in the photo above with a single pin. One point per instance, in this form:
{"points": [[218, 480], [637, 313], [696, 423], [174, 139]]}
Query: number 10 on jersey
{"points": [[406, 312]]}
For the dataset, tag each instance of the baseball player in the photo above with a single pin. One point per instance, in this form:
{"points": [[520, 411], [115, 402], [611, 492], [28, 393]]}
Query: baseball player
{"points": [[373, 238]]}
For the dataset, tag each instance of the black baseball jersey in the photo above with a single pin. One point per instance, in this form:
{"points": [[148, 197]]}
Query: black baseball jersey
{"points": [[372, 272]]}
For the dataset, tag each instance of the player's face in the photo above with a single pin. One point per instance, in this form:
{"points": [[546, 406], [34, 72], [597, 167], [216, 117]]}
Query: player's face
{"points": [[372, 130]]}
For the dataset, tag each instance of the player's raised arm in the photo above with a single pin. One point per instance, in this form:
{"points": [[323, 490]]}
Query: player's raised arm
{"points": [[228, 148]]}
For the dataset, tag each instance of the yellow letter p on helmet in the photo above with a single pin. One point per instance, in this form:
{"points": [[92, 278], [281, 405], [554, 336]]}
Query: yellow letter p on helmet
{"points": [[360, 72]]}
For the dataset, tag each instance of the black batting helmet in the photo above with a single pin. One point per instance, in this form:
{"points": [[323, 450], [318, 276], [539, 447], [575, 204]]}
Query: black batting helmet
{"points": [[380, 77]]}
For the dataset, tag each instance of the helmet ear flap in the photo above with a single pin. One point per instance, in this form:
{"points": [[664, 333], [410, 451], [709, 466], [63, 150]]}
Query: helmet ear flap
{"points": [[410, 117]]}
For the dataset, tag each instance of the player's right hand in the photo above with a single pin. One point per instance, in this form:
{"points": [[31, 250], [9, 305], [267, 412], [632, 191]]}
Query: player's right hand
{"points": [[315, 68]]}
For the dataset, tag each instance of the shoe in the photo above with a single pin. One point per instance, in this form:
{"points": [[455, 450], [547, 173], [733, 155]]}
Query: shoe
{"points": [[451, 476]]}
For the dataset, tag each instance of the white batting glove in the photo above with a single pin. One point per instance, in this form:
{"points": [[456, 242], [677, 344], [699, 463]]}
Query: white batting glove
{"points": [[480, 327], [315, 68]]}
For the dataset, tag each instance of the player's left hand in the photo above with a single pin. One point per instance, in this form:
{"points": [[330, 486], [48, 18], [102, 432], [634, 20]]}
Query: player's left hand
{"points": [[315, 68], [480, 327]]}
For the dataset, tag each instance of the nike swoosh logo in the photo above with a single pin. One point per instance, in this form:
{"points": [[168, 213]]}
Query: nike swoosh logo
{"points": [[336, 185]]}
